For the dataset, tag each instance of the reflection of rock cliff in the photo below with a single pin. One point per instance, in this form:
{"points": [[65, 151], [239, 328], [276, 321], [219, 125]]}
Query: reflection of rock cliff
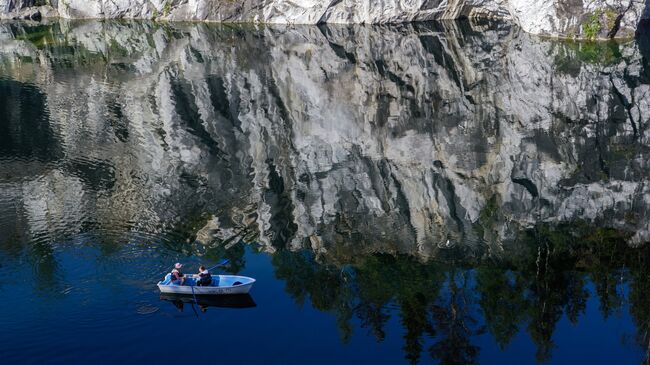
{"points": [[569, 18], [389, 138]]}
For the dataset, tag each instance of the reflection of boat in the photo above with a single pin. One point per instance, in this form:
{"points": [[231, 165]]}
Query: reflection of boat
{"points": [[221, 284], [221, 301]]}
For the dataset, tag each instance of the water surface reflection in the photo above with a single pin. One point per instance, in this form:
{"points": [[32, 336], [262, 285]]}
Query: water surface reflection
{"points": [[448, 192]]}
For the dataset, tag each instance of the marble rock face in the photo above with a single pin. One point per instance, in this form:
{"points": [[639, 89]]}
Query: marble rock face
{"points": [[566, 18]]}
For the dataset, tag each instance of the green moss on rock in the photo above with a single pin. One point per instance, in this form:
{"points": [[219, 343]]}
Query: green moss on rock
{"points": [[591, 27]]}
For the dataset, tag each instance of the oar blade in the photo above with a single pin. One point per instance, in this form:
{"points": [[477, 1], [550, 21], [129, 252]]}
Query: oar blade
{"points": [[221, 263]]}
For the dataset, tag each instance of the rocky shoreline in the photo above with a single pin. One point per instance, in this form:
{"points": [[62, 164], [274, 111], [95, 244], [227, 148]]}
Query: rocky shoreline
{"points": [[596, 20]]}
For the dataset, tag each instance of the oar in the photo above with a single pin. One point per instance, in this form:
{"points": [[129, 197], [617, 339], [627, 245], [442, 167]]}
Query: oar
{"points": [[195, 301], [221, 263]]}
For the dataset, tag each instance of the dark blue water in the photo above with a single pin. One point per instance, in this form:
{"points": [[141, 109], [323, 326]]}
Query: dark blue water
{"points": [[101, 307], [409, 194], [79, 303]]}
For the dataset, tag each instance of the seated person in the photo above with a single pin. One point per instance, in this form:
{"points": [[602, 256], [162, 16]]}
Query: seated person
{"points": [[177, 276], [205, 279]]}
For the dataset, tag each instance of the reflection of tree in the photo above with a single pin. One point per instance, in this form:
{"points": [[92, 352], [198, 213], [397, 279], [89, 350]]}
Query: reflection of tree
{"points": [[554, 290], [327, 287], [455, 324], [235, 253], [415, 287], [443, 305], [502, 301], [376, 283], [46, 268], [640, 300]]}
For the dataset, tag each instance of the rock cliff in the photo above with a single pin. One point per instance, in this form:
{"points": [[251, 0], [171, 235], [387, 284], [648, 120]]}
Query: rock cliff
{"points": [[565, 18]]}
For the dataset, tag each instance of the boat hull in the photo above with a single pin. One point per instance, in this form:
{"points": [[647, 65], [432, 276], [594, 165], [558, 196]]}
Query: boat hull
{"points": [[191, 289]]}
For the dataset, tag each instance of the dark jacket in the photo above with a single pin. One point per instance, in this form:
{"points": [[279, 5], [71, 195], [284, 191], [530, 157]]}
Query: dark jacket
{"points": [[205, 278]]}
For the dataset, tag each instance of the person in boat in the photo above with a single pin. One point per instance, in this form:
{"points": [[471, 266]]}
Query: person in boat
{"points": [[177, 276], [204, 277]]}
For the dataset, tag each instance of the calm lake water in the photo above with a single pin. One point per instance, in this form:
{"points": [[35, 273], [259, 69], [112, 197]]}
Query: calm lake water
{"points": [[449, 193]]}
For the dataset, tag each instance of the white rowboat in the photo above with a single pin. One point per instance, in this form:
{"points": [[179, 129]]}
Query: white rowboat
{"points": [[221, 285]]}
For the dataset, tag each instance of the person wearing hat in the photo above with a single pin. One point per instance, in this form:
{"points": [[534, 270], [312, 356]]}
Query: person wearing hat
{"points": [[177, 276]]}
